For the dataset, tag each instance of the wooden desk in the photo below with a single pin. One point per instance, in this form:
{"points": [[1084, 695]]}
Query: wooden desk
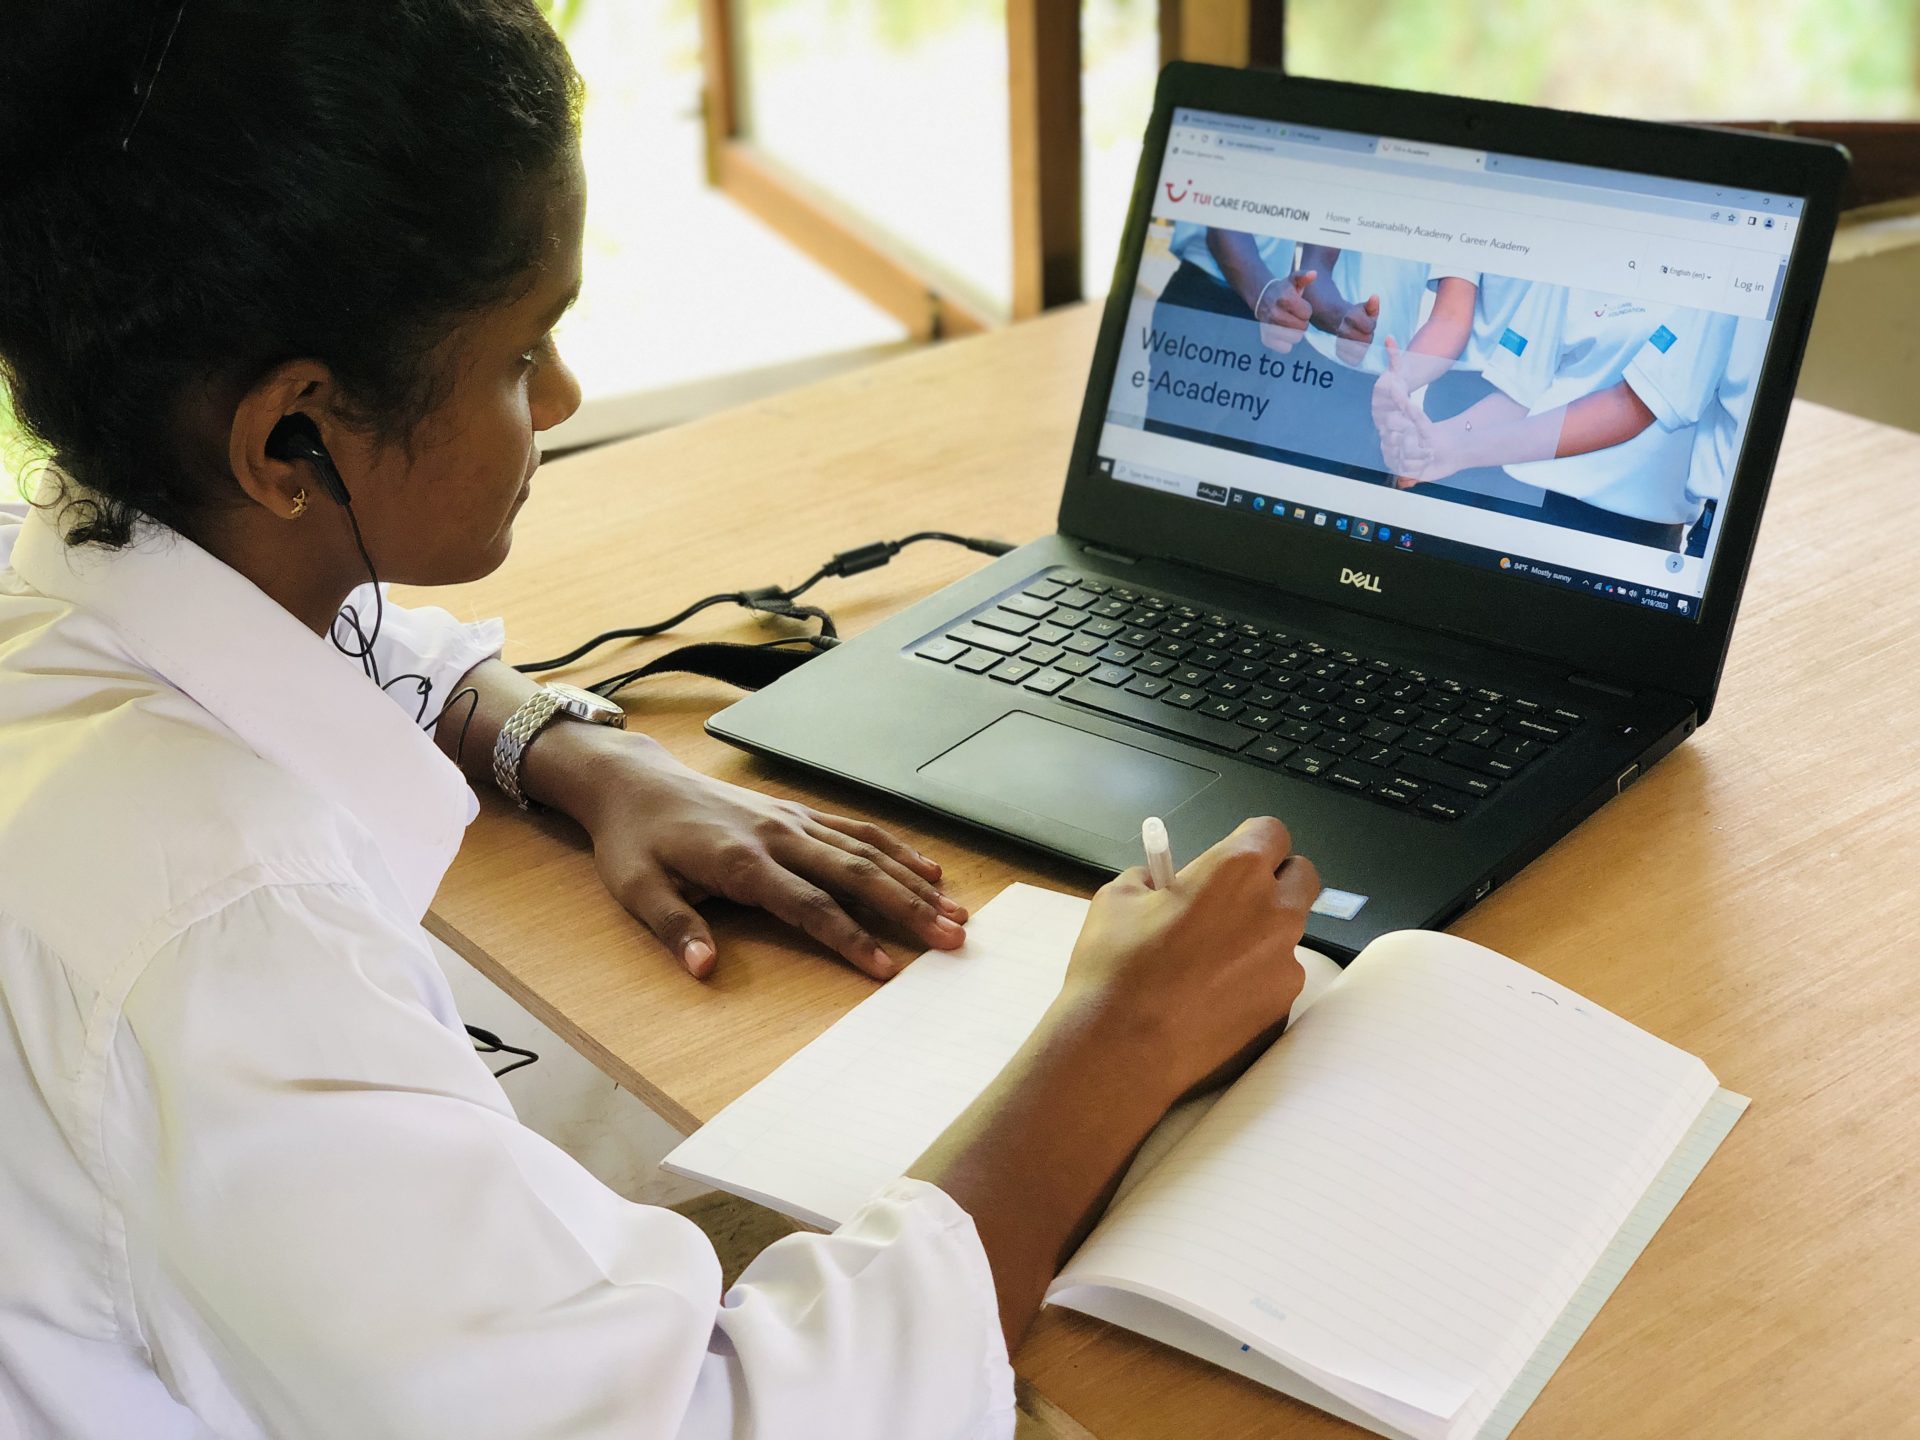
{"points": [[1750, 900]]}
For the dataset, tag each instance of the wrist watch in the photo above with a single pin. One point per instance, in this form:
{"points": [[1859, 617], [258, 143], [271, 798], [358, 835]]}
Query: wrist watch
{"points": [[536, 712]]}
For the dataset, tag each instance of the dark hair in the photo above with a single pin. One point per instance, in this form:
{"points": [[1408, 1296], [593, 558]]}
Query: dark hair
{"points": [[343, 181]]}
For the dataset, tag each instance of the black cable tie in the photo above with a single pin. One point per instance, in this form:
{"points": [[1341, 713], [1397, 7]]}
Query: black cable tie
{"points": [[863, 558]]}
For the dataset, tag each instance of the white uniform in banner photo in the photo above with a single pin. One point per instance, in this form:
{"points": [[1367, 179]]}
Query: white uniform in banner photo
{"points": [[1497, 300], [1189, 245], [1716, 442], [1670, 356], [1402, 286]]}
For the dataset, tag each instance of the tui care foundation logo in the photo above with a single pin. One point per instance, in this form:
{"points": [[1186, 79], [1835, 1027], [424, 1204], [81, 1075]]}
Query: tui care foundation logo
{"points": [[1236, 204]]}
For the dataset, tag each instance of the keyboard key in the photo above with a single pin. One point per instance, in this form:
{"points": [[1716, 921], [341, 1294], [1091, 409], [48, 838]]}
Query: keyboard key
{"points": [[1310, 762], [1044, 589], [1075, 599], [1210, 659], [1532, 707], [1160, 715], [1259, 719], [1246, 669], [1074, 664], [1095, 587], [1482, 714], [1569, 718], [1346, 720], [1298, 731], [1191, 675], [1302, 709], [1111, 674], [1424, 744], [1172, 649], [988, 640], [1480, 735], [1534, 729], [1393, 793], [1005, 620], [1339, 744], [1048, 682], [1470, 757], [941, 651], [1438, 725], [1385, 756], [1048, 634], [977, 662], [1142, 617], [1136, 637], [1148, 686], [1185, 696], [1359, 702], [1029, 605], [1270, 750], [1518, 747], [1228, 686], [1154, 665], [1041, 654], [1220, 708], [1466, 782], [1083, 644], [1112, 609], [1397, 714], [1105, 629], [1266, 697], [1351, 774], [1489, 697], [1013, 671], [1441, 809], [1114, 653]]}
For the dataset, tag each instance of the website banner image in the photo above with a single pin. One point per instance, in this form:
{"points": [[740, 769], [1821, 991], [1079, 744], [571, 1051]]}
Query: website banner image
{"points": [[1581, 409]]}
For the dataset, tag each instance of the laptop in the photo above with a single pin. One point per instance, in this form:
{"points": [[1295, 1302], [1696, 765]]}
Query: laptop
{"points": [[1413, 493]]}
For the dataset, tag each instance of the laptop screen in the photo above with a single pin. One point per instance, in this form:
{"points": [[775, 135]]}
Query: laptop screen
{"points": [[1533, 367]]}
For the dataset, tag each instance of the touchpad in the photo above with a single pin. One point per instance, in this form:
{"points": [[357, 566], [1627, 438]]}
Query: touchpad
{"points": [[1063, 774]]}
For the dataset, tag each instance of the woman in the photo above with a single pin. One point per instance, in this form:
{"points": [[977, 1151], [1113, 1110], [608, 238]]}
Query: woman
{"points": [[277, 283]]}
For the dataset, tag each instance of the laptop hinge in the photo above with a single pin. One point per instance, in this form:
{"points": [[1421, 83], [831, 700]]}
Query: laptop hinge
{"points": [[1594, 682], [1105, 554]]}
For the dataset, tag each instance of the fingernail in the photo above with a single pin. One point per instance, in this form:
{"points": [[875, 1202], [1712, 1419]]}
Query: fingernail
{"points": [[883, 963], [948, 930], [929, 862], [951, 910], [698, 953]]}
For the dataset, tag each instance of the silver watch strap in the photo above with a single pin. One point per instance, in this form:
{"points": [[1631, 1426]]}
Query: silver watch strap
{"points": [[510, 750]]}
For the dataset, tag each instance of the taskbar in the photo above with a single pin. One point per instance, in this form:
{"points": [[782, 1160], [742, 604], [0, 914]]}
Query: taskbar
{"points": [[1361, 530]]}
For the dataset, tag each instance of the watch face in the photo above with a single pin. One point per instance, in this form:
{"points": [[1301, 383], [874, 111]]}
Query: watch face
{"points": [[585, 705]]}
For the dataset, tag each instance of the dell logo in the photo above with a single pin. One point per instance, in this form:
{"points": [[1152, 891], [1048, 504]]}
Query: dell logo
{"points": [[1355, 577]]}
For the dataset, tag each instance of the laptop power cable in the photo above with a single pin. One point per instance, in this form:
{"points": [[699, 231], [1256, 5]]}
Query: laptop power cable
{"points": [[752, 666]]}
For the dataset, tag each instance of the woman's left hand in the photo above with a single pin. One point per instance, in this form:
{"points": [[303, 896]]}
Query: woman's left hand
{"points": [[666, 837]]}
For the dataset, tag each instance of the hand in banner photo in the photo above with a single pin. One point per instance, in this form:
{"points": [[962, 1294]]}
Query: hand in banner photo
{"points": [[1353, 330], [1283, 311]]}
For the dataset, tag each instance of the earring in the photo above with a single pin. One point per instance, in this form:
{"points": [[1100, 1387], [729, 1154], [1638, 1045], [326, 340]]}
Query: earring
{"points": [[299, 505]]}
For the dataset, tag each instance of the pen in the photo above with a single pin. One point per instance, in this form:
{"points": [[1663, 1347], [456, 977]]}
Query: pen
{"points": [[1153, 835]]}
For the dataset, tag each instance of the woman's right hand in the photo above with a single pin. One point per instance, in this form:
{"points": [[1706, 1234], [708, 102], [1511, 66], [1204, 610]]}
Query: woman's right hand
{"points": [[1199, 976]]}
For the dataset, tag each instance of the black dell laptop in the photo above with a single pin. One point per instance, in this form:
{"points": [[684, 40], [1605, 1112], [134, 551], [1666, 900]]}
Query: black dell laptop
{"points": [[1412, 498]]}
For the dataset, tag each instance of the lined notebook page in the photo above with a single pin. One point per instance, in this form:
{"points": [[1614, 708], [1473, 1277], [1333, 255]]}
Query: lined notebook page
{"points": [[1400, 1199], [858, 1105]]}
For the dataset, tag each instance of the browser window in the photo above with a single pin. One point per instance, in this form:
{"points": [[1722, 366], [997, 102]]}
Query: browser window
{"points": [[1512, 363]]}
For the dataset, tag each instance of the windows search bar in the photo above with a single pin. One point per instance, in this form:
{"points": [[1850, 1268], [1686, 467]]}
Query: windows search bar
{"points": [[1451, 157]]}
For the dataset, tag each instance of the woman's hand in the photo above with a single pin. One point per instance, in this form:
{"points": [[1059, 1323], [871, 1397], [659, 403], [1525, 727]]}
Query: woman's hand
{"points": [[1204, 969], [666, 837]]}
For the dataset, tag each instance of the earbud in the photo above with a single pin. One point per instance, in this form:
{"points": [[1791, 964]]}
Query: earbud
{"points": [[298, 438]]}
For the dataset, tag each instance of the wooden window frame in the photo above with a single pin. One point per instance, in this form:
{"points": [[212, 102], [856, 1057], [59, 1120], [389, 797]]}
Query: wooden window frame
{"points": [[1046, 134]]}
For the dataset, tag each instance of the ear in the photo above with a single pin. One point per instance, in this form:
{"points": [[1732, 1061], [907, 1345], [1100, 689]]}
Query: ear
{"points": [[294, 387]]}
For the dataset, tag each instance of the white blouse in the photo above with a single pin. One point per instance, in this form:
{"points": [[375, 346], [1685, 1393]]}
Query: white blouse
{"points": [[254, 1181]]}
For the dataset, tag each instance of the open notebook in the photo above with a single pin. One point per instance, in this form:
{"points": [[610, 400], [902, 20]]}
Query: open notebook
{"points": [[1405, 1213]]}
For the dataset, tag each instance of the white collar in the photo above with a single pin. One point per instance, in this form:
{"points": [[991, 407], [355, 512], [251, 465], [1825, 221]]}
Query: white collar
{"points": [[286, 692]]}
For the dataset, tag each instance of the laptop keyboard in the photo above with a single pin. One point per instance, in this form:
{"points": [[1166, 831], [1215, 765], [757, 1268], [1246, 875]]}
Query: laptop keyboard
{"points": [[1430, 744]]}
